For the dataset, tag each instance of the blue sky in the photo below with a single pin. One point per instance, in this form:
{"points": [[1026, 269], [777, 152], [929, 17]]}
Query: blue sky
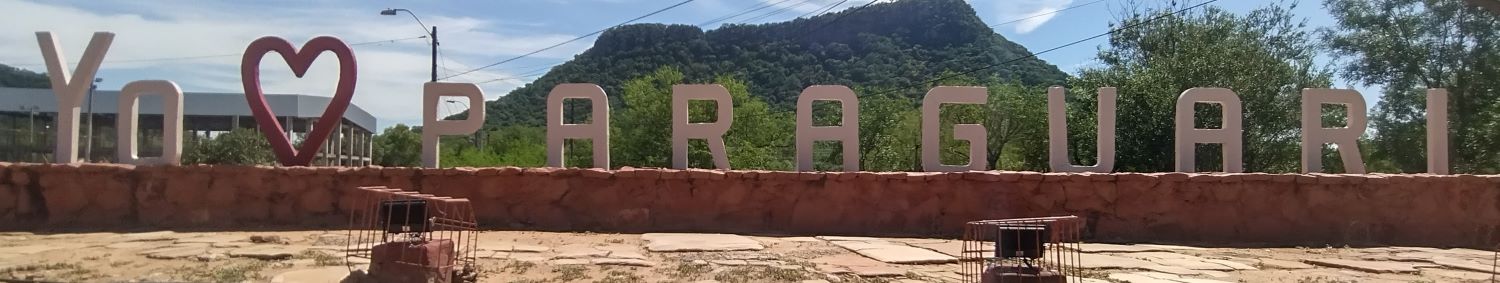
{"points": [[393, 62]]}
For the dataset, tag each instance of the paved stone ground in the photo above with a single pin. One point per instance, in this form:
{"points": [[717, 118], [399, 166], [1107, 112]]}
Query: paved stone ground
{"points": [[315, 256]]}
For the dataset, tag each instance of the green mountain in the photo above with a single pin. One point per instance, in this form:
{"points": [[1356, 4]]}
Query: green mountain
{"points": [[16, 77], [895, 45]]}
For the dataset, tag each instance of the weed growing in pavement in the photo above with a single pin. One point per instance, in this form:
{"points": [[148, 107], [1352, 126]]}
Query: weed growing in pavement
{"points": [[567, 273]]}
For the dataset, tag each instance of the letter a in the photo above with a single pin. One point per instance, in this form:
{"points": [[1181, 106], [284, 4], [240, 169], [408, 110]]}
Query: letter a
{"points": [[847, 132], [1231, 135], [558, 132]]}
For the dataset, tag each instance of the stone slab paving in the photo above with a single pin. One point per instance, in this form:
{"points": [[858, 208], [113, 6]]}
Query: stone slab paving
{"points": [[310, 275], [889, 252], [675, 242], [511, 247], [1369, 265], [1114, 248], [1283, 264], [523, 256]]}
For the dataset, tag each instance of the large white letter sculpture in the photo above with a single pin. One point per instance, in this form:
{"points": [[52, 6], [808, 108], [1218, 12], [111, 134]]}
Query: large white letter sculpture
{"points": [[714, 132], [71, 89], [1057, 132], [126, 122], [434, 127], [1437, 131], [1346, 139], [1230, 135], [558, 132], [973, 133], [847, 132]]}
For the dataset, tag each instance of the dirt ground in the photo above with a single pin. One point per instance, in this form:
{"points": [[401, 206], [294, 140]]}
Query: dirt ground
{"points": [[519, 256]]}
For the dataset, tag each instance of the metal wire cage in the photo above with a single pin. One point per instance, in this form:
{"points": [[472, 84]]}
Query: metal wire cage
{"points": [[1043, 249], [409, 236]]}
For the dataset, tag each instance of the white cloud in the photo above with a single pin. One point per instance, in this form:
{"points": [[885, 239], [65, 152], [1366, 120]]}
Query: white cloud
{"points": [[390, 74], [1042, 10]]}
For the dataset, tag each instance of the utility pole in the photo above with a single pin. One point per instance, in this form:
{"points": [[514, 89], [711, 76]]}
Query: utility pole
{"points": [[431, 34], [88, 149], [434, 53]]}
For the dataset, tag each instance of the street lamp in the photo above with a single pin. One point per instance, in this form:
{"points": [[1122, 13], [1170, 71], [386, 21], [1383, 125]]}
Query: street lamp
{"points": [[88, 149], [479, 138], [30, 123], [432, 34]]}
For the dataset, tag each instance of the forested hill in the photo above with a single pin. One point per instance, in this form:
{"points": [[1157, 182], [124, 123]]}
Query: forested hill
{"points": [[16, 77], [887, 45]]}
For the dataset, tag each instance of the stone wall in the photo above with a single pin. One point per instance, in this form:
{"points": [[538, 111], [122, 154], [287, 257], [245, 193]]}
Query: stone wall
{"points": [[1227, 209]]}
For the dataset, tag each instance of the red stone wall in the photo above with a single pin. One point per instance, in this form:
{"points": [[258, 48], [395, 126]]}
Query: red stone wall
{"points": [[1456, 210]]}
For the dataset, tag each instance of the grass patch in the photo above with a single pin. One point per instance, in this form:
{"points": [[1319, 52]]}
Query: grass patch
{"points": [[1322, 279], [64, 271], [688, 270], [763, 274], [517, 267], [567, 273], [621, 276], [321, 258], [850, 278], [248, 271]]}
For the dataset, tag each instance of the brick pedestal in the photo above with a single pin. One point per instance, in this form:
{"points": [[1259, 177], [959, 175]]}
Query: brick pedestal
{"points": [[412, 262]]}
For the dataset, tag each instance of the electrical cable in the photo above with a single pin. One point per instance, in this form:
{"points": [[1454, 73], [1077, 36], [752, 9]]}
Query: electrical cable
{"points": [[775, 12], [821, 10], [742, 13], [1047, 13], [684, 2], [226, 54]]}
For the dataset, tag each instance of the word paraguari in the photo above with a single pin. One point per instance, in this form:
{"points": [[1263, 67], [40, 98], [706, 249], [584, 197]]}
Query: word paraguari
{"points": [[70, 92]]}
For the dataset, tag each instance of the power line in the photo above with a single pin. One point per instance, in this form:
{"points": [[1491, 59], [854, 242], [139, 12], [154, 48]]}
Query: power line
{"points": [[226, 54], [572, 40], [1047, 13], [775, 12], [526, 74], [710, 22], [822, 10], [836, 19], [1034, 55], [742, 13]]}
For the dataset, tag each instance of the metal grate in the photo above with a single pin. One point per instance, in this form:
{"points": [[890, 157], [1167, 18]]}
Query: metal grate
{"points": [[1041, 249], [383, 216]]}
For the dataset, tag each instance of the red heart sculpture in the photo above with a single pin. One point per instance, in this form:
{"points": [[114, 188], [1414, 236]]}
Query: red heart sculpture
{"points": [[299, 61]]}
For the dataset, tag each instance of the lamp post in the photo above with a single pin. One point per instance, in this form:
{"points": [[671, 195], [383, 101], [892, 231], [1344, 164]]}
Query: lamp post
{"points": [[30, 123], [432, 34], [88, 148], [479, 136]]}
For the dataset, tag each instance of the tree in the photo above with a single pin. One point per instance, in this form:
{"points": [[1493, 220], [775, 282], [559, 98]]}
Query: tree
{"points": [[398, 146], [242, 146], [1016, 120], [889, 129], [641, 133], [886, 45], [1409, 46], [1265, 56], [17, 77], [760, 138]]}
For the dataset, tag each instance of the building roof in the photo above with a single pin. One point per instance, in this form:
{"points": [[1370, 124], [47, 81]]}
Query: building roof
{"points": [[193, 103]]}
